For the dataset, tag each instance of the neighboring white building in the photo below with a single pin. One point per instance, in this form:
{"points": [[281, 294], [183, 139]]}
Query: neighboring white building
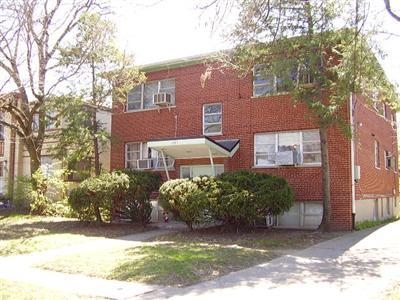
{"points": [[15, 160]]}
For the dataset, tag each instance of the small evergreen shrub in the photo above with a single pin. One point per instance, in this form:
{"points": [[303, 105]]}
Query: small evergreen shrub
{"points": [[135, 203], [270, 194], [189, 199], [92, 199]]}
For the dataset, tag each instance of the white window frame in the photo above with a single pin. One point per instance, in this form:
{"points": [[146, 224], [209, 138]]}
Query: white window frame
{"points": [[276, 145], [142, 147], [156, 161], [219, 169], [300, 78], [211, 114], [160, 89]]}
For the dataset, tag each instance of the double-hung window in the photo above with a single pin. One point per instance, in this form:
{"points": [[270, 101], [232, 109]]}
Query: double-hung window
{"points": [[265, 83], [139, 156], [142, 96], [280, 148], [212, 119]]}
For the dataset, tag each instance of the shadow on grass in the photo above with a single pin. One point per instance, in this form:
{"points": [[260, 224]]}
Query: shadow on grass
{"points": [[183, 263], [355, 257], [16, 226]]}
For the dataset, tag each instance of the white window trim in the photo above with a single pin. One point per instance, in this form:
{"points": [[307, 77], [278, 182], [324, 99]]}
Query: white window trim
{"points": [[301, 164], [204, 124], [275, 78], [142, 91], [192, 166], [143, 156]]}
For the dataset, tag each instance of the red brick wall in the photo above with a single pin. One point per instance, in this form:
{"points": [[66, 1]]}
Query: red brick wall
{"points": [[370, 126], [243, 116]]}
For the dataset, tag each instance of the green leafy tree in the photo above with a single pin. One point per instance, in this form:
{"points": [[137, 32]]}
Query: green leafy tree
{"points": [[32, 33], [319, 63], [108, 73]]}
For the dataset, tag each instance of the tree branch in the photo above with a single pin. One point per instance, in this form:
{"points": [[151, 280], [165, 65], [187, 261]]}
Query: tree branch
{"points": [[390, 11]]}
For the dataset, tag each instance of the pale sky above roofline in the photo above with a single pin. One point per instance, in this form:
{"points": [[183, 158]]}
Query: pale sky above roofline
{"points": [[157, 31]]}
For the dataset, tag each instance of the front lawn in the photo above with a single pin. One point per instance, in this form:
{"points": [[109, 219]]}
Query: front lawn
{"points": [[21, 234], [189, 257]]}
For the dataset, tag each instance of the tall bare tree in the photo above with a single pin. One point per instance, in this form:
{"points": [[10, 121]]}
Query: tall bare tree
{"points": [[32, 32]]}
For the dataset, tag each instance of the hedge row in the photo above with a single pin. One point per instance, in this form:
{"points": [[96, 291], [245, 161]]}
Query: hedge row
{"points": [[237, 198]]}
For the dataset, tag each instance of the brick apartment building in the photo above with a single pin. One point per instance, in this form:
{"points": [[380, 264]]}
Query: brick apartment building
{"points": [[181, 126]]}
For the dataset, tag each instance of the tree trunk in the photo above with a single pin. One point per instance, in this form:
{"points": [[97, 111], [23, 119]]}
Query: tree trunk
{"points": [[96, 153], [326, 187], [98, 214], [94, 122], [34, 155]]}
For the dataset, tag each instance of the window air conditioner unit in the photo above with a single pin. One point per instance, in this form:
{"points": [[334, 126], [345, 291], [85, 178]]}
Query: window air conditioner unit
{"points": [[144, 163], [286, 158], [161, 99]]}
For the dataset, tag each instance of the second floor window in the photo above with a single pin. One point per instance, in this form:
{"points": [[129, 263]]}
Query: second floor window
{"points": [[212, 119], [147, 94], [265, 83]]}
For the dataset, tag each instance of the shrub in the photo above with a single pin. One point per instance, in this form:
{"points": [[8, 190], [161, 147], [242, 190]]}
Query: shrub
{"points": [[189, 199], [42, 195], [92, 199], [248, 195], [234, 206], [21, 193], [135, 203]]}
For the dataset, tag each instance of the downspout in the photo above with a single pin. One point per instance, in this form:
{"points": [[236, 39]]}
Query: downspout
{"points": [[352, 161]]}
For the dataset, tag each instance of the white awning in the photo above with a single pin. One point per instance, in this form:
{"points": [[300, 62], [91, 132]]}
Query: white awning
{"points": [[200, 147]]}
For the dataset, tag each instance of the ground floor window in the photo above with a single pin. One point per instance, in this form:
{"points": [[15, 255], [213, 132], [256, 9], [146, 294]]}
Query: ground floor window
{"points": [[287, 148], [139, 156], [198, 170]]}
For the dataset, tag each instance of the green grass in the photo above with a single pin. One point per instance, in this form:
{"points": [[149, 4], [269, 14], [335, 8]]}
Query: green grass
{"points": [[370, 223], [188, 257], [174, 263], [18, 291], [20, 234]]}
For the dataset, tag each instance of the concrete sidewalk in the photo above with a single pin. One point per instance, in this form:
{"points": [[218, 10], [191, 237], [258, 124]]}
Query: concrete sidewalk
{"points": [[358, 265], [20, 268]]}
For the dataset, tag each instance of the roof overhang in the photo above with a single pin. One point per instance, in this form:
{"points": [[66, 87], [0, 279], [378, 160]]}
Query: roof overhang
{"points": [[198, 147]]}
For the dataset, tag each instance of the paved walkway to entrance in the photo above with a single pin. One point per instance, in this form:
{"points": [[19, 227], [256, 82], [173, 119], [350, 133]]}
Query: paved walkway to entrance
{"points": [[358, 265]]}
